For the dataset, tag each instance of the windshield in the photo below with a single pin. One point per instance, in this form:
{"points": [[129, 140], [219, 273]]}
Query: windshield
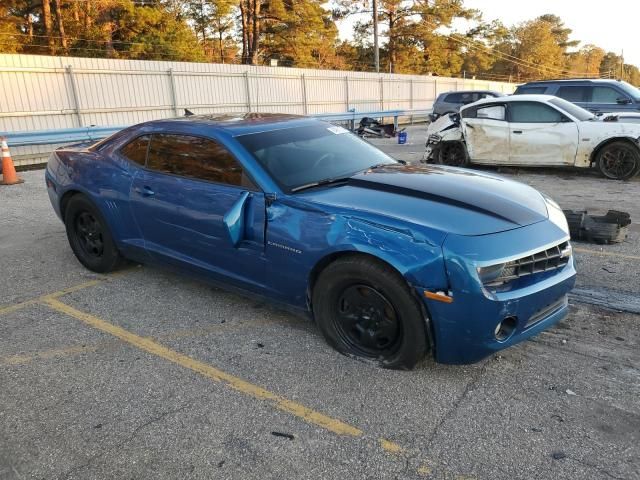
{"points": [[572, 109], [632, 91], [300, 156]]}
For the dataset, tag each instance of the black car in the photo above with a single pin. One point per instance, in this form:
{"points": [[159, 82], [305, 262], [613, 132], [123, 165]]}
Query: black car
{"points": [[596, 95]]}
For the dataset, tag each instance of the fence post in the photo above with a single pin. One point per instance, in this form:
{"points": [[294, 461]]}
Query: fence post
{"points": [[435, 89], [76, 96], [247, 90], [304, 94], [172, 86], [346, 84], [411, 98]]}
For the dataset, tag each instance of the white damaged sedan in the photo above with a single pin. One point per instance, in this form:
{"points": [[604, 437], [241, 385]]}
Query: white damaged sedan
{"points": [[535, 131]]}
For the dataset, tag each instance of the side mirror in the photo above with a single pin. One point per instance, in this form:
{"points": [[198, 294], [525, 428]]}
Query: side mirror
{"points": [[623, 101], [234, 219]]}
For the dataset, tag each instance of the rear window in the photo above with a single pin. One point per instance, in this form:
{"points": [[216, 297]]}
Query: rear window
{"points": [[574, 94], [136, 150], [453, 98], [530, 90]]}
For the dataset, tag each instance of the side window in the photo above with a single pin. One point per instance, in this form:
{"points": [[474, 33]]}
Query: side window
{"points": [[196, 157], [466, 98], [136, 150], [530, 90], [606, 95], [493, 112], [532, 112], [574, 94], [453, 98]]}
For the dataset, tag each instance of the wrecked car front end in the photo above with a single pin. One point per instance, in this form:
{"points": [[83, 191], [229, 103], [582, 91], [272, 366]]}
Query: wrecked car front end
{"points": [[444, 129]]}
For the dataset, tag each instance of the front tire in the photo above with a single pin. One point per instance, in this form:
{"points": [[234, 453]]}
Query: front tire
{"points": [[619, 160], [453, 154], [365, 309], [89, 236]]}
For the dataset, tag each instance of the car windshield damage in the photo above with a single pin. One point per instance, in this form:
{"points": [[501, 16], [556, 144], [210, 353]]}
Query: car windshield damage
{"points": [[310, 156], [572, 109]]}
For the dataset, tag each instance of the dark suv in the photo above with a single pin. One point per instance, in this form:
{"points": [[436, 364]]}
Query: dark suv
{"points": [[450, 102], [598, 96]]}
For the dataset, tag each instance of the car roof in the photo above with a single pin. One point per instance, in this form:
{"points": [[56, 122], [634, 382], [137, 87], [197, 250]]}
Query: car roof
{"points": [[569, 80], [513, 98], [471, 91], [235, 123]]}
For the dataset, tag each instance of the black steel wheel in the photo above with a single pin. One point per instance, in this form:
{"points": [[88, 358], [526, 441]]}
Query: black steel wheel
{"points": [[365, 309], [89, 235], [619, 160], [453, 154], [366, 320]]}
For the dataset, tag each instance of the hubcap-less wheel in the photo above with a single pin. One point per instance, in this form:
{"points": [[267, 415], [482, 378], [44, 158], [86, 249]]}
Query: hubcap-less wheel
{"points": [[453, 154], [619, 161], [367, 321], [89, 234]]}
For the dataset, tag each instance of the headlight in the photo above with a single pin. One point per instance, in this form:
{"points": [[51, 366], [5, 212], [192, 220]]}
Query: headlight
{"points": [[434, 138], [490, 274], [556, 215]]}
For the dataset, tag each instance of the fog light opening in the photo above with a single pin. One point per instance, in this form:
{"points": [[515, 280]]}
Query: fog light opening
{"points": [[505, 328]]}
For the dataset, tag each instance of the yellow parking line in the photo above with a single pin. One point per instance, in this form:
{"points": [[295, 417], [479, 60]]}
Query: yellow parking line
{"points": [[606, 254], [316, 418], [59, 293]]}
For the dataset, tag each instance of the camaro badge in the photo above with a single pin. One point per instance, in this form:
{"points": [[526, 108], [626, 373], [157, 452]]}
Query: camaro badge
{"points": [[284, 247]]}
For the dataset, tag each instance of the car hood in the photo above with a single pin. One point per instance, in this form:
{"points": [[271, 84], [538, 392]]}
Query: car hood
{"points": [[452, 200]]}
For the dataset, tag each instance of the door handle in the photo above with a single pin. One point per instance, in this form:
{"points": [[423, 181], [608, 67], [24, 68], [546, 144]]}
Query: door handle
{"points": [[517, 131], [145, 191]]}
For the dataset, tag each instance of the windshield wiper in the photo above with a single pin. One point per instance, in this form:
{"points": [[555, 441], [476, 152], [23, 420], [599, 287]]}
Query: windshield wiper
{"points": [[319, 183]]}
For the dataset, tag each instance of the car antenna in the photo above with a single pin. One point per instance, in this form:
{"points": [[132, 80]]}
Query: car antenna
{"points": [[188, 113]]}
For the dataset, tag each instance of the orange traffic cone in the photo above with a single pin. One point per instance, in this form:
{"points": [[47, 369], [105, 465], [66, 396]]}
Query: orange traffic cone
{"points": [[9, 175]]}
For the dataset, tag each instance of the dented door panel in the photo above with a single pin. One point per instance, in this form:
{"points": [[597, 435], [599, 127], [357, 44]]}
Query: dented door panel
{"points": [[540, 144]]}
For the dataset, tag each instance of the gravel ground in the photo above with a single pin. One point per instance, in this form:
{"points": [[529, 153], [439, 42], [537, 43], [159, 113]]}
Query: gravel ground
{"points": [[147, 374]]}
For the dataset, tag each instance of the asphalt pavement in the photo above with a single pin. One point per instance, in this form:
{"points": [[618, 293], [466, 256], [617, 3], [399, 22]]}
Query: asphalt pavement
{"points": [[145, 374]]}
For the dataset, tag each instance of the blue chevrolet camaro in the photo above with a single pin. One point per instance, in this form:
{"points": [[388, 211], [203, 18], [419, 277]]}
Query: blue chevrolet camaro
{"points": [[392, 261]]}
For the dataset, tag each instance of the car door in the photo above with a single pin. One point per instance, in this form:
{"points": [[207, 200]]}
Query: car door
{"points": [[197, 208], [486, 133], [540, 135], [607, 99]]}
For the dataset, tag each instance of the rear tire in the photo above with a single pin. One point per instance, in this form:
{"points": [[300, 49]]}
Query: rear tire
{"points": [[453, 154], [89, 236], [365, 309], [619, 160]]}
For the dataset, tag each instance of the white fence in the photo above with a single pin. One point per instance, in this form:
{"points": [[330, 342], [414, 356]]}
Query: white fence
{"points": [[45, 93]]}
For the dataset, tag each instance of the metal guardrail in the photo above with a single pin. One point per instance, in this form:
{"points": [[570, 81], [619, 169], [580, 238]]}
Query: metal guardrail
{"points": [[74, 135]]}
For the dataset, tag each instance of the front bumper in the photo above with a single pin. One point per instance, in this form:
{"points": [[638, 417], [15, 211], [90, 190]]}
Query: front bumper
{"points": [[465, 329]]}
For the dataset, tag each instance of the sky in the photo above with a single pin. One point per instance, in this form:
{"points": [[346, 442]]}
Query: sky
{"points": [[613, 27]]}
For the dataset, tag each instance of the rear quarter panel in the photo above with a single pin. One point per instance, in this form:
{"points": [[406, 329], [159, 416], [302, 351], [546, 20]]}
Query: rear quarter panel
{"points": [[106, 181], [593, 134]]}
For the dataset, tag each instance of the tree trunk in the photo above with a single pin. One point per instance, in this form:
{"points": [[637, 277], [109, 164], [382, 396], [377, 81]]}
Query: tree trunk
{"points": [[221, 48], [58, 10], [48, 25], [244, 14], [30, 27], [255, 41]]}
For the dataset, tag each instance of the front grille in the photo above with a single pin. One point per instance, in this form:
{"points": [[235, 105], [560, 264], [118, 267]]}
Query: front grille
{"points": [[551, 259]]}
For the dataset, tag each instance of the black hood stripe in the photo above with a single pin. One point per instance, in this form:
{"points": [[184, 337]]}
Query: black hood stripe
{"points": [[389, 188]]}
